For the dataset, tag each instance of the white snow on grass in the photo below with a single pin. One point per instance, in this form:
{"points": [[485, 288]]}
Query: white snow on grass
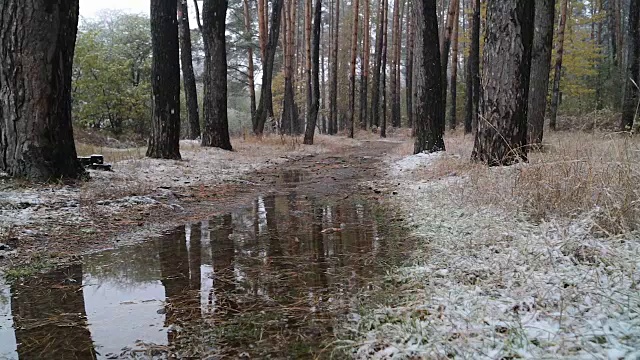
{"points": [[489, 284], [413, 162]]}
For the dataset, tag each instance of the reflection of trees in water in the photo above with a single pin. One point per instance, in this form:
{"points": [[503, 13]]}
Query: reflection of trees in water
{"points": [[223, 253], [50, 318]]}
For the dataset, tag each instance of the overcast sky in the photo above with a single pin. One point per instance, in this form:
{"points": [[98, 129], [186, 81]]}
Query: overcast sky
{"points": [[89, 8]]}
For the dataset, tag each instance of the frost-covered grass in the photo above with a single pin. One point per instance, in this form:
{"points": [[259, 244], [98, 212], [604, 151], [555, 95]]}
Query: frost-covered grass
{"points": [[493, 279]]}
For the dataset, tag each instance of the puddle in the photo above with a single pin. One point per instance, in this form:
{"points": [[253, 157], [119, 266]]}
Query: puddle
{"points": [[266, 281], [291, 178]]}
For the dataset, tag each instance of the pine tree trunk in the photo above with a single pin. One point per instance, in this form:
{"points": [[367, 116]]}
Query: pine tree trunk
{"points": [[265, 106], [287, 124], [383, 77], [501, 138], [262, 28], [323, 84], [631, 106], [454, 72], [473, 70], [308, 8], [540, 68], [445, 47], [375, 86], [250, 67], [429, 117], [613, 35], [411, 26], [395, 117], [216, 125], [188, 77], [364, 78], [36, 58], [164, 142], [555, 98], [315, 72], [352, 71], [333, 83], [398, 53]]}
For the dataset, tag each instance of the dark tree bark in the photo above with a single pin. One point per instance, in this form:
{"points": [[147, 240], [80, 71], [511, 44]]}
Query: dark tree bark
{"points": [[473, 72], [411, 27], [308, 9], [395, 33], [315, 74], [540, 67], [631, 105], [333, 82], [250, 67], [454, 72], [164, 142], [364, 78], [216, 124], [383, 77], [429, 117], [265, 107], [555, 97], [375, 86], [188, 77], [501, 138], [36, 57], [352, 70], [445, 47], [288, 107]]}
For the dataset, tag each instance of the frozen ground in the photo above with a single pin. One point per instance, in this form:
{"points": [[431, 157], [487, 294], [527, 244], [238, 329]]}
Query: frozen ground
{"points": [[488, 284]]}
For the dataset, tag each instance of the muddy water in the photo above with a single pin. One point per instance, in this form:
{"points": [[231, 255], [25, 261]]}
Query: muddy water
{"points": [[269, 280]]}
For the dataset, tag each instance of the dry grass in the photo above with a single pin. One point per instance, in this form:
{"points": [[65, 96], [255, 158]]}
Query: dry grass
{"points": [[577, 173]]}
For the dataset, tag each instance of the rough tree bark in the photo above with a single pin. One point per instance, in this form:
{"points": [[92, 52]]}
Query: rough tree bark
{"points": [[164, 142], [36, 58], [501, 138], [411, 26], [445, 46], [540, 67], [364, 77], [395, 117], [333, 82], [265, 106], [188, 77], [216, 125], [352, 70], [473, 72], [429, 117], [631, 105], [454, 72], [397, 108], [262, 27], [250, 66], [555, 98], [375, 86], [383, 77], [308, 8], [315, 72], [288, 108]]}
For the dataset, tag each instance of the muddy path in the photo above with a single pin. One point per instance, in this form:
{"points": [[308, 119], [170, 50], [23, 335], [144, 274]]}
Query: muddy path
{"points": [[265, 270]]}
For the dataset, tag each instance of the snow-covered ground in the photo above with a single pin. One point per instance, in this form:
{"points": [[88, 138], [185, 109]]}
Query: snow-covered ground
{"points": [[489, 284]]}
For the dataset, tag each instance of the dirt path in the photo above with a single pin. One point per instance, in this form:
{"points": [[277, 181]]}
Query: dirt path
{"points": [[147, 215]]}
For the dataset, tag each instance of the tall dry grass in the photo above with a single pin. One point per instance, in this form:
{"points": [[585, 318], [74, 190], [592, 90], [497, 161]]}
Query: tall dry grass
{"points": [[578, 173]]}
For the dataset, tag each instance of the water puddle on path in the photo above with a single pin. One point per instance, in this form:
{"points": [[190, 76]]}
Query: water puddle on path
{"points": [[266, 281]]}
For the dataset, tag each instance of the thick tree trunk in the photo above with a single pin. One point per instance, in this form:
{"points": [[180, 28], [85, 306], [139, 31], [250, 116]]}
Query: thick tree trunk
{"points": [[315, 81], [395, 117], [352, 70], [397, 108], [631, 105], [454, 73], [216, 124], [308, 8], [429, 117], [411, 26], [333, 83], [445, 46], [250, 66], [540, 67], [364, 78], [262, 27], [383, 77], [36, 58], [288, 111], [188, 77], [501, 138], [375, 86], [473, 71], [265, 107], [555, 98], [164, 142]]}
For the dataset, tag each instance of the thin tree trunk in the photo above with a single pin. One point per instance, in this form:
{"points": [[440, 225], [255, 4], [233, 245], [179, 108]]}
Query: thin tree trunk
{"points": [[333, 84], [618, 21], [352, 71], [454, 72], [323, 86], [613, 34], [411, 26], [308, 8], [375, 89], [555, 99], [395, 117], [216, 124], [364, 78], [266, 101], [631, 105], [36, 58], [540, 68], [383, 80], [188, 77], [287, 125], [475, 64], [398, 53], [445, 46], [262, 27], [315, 62], [164, 142], [501, 138], [250, 69], [429, 117]]}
